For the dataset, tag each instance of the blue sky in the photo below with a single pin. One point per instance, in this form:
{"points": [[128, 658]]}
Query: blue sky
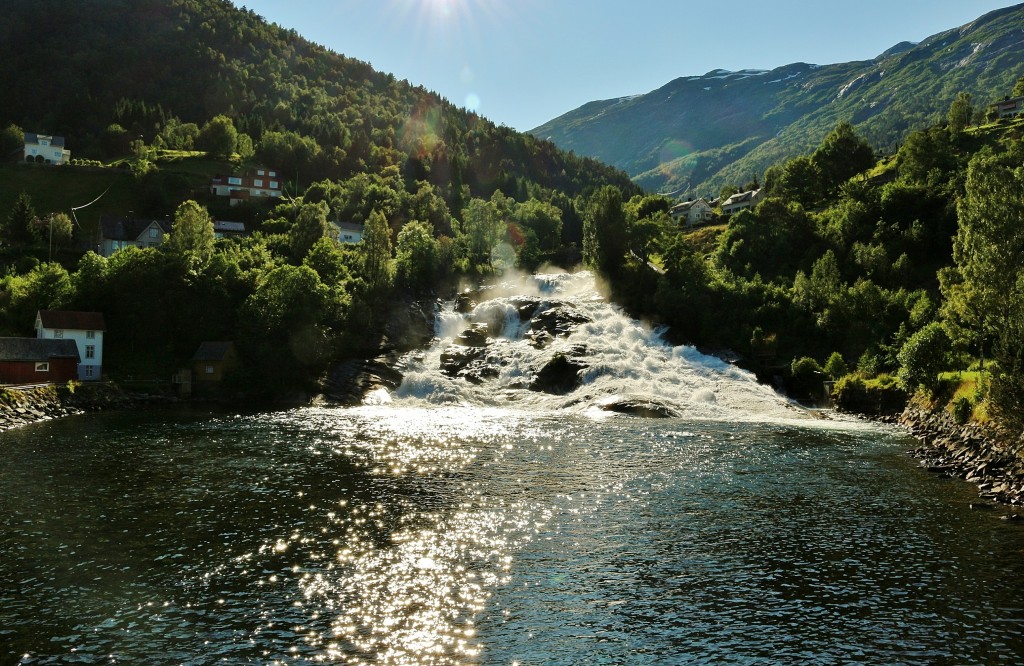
{"points": [[524, 62]]}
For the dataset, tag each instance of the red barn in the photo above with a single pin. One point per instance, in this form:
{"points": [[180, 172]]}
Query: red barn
{"points": [[37, 360]]}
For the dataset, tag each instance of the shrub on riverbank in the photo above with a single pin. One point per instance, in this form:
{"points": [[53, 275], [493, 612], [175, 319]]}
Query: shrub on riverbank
{"points": [[877, 396]]}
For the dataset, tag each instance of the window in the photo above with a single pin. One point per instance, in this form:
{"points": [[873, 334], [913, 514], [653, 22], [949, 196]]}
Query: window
{"points": [[273, 184], [272, 174], [258, 182], [209, 369], [90, 335], [88, 371], [259, 172], [152, 233], [58, 333], [42, 367], [233, 180], [90, 351]]}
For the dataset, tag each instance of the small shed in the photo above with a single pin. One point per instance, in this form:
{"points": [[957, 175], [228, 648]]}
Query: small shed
{"points": [[213, 361], [37, 360]]}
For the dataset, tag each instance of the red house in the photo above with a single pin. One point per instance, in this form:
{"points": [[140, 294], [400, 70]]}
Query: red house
{"points": [[37, 360]]}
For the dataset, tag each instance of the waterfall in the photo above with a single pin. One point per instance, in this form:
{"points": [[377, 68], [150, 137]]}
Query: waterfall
{"points": [[553, 342]]}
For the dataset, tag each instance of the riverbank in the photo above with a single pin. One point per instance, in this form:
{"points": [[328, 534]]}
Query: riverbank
{"points": [[990, 457], [24, 406]]}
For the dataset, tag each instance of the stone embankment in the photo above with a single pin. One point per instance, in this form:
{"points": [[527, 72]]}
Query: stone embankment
{"points": [[22, 406], [991, 458]]}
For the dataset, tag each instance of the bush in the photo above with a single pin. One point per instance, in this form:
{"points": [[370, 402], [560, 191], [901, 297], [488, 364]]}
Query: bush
{"points": [[806, 379], [923, 357], [835, 366], [874, 397], [962, 408]]}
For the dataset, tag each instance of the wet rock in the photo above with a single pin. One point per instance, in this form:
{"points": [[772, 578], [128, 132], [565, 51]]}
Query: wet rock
{"points": [[978, 454], [457, 358], [526, 307], [466, 301], [558, 321], [643, 407], [410, 327], [474, 336], [559, 375]]}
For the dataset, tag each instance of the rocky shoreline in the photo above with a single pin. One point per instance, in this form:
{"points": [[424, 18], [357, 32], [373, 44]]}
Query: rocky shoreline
{"points": [[989, 457], [24, 406]]}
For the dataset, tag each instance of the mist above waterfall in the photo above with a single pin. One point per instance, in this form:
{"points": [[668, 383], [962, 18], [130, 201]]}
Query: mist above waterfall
{"points": [[554, 342]]}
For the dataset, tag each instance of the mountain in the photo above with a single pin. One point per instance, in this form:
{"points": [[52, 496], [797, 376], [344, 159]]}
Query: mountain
{"points": [[699, 132]]}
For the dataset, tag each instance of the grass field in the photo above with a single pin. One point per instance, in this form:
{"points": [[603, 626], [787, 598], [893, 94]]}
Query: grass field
{"points": [[56, 189]]}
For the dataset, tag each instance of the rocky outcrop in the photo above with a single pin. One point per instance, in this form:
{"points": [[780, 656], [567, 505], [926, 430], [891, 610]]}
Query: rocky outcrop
{"points": [[557, 321], [561, 374], [470, 362], [645, 407], [19, 407], [410, 326], [347, 383], [989, 457]]}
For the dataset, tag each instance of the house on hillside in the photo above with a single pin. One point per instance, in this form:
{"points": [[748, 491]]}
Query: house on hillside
{"points": [[258, 183], [117, 233], [741, 200], [689, 213], [85, 329], [225, 229], [212, 362], [1008, 107], [46, 149], [346, 232], [35, 361]]}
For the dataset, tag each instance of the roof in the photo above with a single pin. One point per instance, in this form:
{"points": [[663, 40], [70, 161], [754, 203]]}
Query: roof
{"points": [[57, 141], [71, 320], [129, 228], [37, 349], [350, 226], [223, 225], [741, 197], [686, 205], [213, 351]]}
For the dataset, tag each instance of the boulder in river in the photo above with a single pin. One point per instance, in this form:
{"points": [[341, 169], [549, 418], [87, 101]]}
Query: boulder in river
{"points": [[642, 406], [561, 374]]}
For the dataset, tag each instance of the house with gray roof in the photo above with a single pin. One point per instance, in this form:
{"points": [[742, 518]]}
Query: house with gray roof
{"points": [[46, 149], [117, 233]]}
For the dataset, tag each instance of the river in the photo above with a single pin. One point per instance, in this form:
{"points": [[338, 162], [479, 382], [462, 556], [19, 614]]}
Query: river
{"points": [[458, 523]]}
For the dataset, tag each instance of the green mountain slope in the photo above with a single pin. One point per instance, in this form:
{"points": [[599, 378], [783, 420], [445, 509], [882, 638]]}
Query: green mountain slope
{"points": [[145, 63], [699, 132]]}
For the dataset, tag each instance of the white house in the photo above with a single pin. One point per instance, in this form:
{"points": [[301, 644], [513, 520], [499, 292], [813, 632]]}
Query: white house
{"points": [[226, 229], [45, 148], [1009, 107], [741, 200], [689, 213], [347, 232], [85, 328]]}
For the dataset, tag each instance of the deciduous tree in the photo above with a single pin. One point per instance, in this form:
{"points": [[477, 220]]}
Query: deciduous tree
{"points": [[192, 236]]}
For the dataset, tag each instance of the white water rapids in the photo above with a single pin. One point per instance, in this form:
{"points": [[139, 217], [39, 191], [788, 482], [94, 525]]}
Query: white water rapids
{"points": [[621, 359]]}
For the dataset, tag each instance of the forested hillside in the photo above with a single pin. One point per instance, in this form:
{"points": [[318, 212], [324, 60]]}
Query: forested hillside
{"points": [[105, 72], [698, 133], [153, 97]]}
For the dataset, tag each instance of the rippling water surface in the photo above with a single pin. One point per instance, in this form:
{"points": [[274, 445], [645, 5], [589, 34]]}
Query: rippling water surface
{"points": [[415, 535], [467, 520]]}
